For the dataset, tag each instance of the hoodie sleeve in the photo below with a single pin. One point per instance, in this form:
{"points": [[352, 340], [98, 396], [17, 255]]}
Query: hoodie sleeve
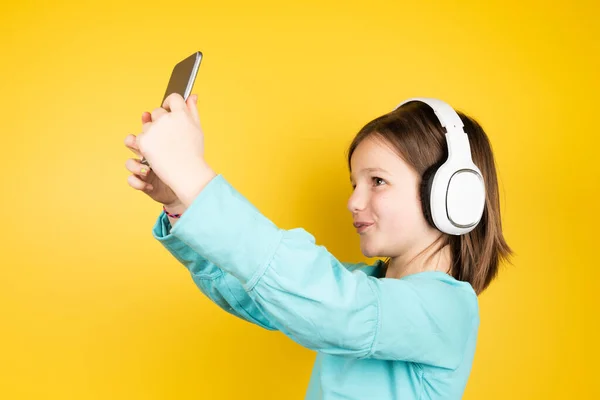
{"points": [[219, 286], [310, 296]]}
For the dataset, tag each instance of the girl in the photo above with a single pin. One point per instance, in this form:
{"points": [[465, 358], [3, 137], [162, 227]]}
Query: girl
{"points": [[403, 328]]}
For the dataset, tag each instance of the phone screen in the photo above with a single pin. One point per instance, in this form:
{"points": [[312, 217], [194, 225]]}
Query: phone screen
{"points": [[183, 76]]}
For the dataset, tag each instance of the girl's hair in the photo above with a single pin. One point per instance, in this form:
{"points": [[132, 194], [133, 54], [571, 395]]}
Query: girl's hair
{"points": [[417, 136]]}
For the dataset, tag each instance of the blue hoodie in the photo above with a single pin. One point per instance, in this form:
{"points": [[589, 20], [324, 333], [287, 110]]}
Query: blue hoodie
{"points": [[375, 337]]}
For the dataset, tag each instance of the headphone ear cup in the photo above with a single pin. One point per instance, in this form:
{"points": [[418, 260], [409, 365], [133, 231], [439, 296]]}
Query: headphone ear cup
{"points": [[425, 191]]}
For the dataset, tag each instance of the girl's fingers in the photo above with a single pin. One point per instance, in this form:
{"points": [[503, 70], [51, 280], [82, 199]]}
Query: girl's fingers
{"points": [[157, 113], [138, 184], [136, 167], [131, 144], [130, 141], [146, 117], [139, 170]]}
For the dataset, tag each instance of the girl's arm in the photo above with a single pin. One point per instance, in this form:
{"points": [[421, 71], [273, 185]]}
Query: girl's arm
{"points": [[305, 292], [219, 286]]}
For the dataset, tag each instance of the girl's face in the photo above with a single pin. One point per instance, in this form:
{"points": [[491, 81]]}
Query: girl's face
{"points": [[386, 194]]}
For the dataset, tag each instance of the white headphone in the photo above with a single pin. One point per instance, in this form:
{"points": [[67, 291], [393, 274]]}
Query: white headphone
{"points": [[453, 194]]}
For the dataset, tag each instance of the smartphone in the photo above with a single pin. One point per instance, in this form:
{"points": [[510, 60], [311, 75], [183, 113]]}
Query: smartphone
{"points": [[182, 79]]}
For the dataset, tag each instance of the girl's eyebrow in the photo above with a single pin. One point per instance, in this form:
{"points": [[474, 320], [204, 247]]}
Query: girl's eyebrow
{"points": [[370, 170]]}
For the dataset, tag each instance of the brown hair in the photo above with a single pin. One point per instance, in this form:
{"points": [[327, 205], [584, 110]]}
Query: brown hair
{"points": [[417, 136]]}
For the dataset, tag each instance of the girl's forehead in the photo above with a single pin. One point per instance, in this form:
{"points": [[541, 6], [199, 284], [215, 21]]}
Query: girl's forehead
{"points": [[377, 156], [369, 151]]}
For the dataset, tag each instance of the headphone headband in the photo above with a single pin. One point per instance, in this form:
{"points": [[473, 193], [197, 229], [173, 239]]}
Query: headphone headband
{"points": [[443, 111], [456, 137]]}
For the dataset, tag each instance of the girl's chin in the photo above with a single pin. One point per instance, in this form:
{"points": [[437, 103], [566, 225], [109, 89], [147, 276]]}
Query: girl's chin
{"points": [[369, 251]]}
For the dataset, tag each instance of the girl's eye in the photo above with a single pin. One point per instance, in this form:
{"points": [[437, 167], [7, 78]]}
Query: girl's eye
{"points": [[375, 179]]}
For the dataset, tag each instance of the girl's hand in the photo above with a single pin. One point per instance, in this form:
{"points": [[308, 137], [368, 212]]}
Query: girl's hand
{"points": [[144, 178], [173, 142]]}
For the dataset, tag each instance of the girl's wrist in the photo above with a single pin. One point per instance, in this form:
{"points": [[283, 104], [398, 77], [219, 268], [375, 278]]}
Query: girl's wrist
{"points": [[174, 210]]}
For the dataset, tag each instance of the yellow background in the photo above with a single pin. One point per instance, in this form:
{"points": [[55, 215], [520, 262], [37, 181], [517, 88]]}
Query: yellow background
{"points": [[92, 307]]}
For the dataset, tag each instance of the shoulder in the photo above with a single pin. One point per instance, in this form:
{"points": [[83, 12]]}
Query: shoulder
{"points": [[449, 304], [434, 314], [445, 293]]}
